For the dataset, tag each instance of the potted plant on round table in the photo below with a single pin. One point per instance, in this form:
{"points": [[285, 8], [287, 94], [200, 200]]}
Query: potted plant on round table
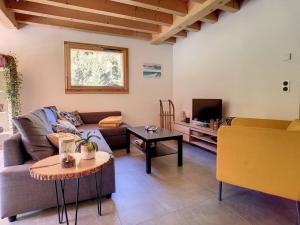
{"points": [[86, 146]]}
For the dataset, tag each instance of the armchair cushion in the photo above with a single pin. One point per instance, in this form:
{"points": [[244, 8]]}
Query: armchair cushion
{"points": [[263, 123], [294, 126]]}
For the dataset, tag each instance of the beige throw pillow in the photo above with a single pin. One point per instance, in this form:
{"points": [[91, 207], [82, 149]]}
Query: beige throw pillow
{"points": [[54, 137], [111, 121]]}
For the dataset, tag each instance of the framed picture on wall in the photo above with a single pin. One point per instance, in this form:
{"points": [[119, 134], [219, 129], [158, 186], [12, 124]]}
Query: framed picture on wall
{"points": [[151, 70]]}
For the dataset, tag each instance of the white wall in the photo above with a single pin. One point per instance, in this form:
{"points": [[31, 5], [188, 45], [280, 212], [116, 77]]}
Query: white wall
{"points": [[40, 52], [241, 60]]}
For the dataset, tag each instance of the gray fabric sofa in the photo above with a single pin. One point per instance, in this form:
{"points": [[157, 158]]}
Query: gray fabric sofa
{"points": [[20, 193]]}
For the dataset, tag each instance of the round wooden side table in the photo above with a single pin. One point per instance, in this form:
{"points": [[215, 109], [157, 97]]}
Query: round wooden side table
{"points": [[51, 170]]}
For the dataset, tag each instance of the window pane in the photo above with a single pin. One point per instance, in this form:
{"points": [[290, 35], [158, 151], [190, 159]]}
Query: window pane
{"points": [[96, 68]]}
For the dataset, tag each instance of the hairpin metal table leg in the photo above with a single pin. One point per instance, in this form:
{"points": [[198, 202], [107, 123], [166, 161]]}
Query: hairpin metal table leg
{"points": [[57, 203], [77, 198], [64, 207], [98, 196]]}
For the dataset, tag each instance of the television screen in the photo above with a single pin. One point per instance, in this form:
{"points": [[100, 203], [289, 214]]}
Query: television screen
{"points": [[206, 109]]}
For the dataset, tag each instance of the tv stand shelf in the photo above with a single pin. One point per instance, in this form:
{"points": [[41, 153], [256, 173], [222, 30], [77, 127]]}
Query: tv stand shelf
{"points": [[202, 137]]}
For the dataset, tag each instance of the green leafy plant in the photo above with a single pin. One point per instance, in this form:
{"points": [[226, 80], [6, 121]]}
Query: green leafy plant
{"points": [[91, 145], [13, 81]]}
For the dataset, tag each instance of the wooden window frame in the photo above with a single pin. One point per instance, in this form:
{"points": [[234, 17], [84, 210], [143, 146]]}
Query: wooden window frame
{"points": [[69, 89]]}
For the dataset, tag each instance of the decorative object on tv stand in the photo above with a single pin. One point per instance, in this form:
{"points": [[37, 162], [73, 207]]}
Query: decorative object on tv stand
{"points": [[66, 149], [186, 117], [87, 147], [167, 114], [214, 124], [151, 70], [13, 81]]}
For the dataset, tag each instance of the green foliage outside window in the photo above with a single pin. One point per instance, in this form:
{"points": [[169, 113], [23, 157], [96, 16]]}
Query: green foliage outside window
{"points": [[96, 68]]}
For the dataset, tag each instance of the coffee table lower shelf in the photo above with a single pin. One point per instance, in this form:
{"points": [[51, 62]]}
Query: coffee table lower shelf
{"points": [[161, 149]]}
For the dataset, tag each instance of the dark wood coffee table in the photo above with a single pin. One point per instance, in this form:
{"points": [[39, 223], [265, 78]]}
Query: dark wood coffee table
{"points": [[154, 137]]}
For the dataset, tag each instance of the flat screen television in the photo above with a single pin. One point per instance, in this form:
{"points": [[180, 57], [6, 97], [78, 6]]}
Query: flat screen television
{"points": [[206, 109]]}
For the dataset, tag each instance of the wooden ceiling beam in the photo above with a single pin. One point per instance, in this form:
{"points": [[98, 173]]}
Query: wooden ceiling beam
{"points": [[171, 40], [176, 7], [232, 6], [7, 18], [29, 19], [36, 9], [110, 8], [196, 12], [195, 27], [181, 34], [211, 18]]}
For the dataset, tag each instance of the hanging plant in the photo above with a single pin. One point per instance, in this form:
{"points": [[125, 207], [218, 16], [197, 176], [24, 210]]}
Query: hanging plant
{"points": [[13, 81]]}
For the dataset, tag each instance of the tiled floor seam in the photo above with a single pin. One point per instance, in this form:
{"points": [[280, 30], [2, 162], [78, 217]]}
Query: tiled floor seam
{"points": [[235, 212]]}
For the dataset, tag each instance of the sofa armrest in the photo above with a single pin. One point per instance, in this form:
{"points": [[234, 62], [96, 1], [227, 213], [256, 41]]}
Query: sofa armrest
{"points": [[16, 185], [263, 123], [13, 151], [95, 117], [261, 159]]}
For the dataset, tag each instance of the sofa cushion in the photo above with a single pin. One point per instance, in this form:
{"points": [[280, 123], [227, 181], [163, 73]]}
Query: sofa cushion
{"points": [[78, 121], [116, 131], [72, 117], [34, 128], [95, 117], [294, 126], [50, 114], [94, 129], [64, 126]]}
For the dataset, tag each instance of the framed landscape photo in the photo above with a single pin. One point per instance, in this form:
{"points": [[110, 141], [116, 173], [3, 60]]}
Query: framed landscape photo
{"points": [[91, 68], [151, 70]]}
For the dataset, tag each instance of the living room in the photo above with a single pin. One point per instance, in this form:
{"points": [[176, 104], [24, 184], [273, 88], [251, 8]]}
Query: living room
{"points": [[244, 53]]}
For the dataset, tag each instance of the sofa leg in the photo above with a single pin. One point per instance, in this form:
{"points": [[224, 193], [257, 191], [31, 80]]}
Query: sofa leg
{"points": [[12, 218], [220, 190], [108, 196], [298, 211]]}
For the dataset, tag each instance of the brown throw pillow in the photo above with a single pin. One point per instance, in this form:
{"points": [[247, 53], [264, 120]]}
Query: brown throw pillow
{"points": [[34, 128]]}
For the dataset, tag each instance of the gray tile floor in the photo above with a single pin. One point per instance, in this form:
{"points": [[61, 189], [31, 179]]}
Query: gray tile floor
{"points": [[174, 196]]}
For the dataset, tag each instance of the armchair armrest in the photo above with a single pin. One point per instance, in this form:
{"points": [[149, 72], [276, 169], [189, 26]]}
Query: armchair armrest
{"points": [[261, 159], [263, 123]]}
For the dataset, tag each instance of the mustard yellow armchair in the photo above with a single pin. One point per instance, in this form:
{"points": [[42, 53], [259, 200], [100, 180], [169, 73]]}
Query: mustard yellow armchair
{"points": [[260, 155]]}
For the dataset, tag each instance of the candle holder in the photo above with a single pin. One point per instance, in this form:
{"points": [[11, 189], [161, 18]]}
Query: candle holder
{"points": [[66, 149]]}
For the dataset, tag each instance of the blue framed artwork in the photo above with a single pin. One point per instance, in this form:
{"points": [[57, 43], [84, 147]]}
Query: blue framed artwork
{"points": [[151, 70]]}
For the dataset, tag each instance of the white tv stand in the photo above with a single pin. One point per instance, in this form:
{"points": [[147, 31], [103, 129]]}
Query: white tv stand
{"points": [[200, 136]]}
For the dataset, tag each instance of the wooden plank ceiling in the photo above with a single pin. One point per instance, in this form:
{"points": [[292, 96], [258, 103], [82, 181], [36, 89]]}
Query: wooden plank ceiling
{"points": [[158, 21]]}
